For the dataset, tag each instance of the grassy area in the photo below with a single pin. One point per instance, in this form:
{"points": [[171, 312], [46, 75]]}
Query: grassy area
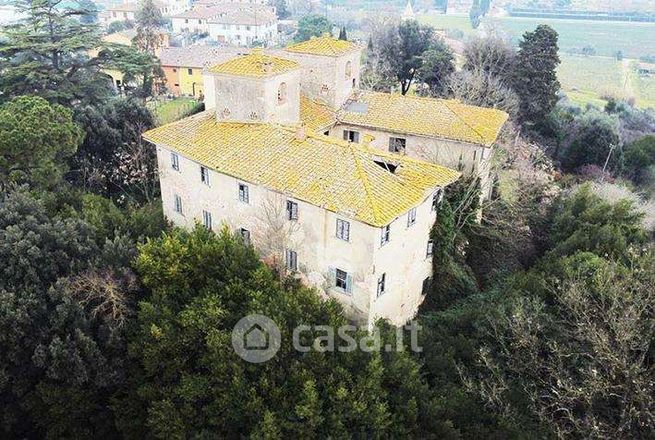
{"points": [[633, 39], [645, 86], [440, 21], [170, 111], [586, 79]]}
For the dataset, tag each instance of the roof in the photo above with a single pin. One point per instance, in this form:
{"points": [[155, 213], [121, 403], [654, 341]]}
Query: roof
{"points": [[346, 178], [449, 119], [198, 56], [326, 46], [245, 17], [315, 115], [256, 64]]}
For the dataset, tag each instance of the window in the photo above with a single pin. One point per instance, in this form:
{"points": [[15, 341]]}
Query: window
{"points": [[175, 162], [186, 20], [243, 193], [175, 70], [291, 260], [343, 280], [326, 133], [177, 85], [351, 136], [282, 93], [207, 219], [430, 248], [382, 281], [343, 230], [427, 283], [199, 21], [177, 201], [354, 82], [386, 232], [397, 145], [349, 70], [411, 217], [247, 28], [292, 210], [189, 71], [245, 235], [204, 175], [436, 199]]}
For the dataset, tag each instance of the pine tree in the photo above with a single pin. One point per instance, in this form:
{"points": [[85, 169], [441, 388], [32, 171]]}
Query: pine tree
{"points": [[535, 79], [47, 54], [342, 34]]}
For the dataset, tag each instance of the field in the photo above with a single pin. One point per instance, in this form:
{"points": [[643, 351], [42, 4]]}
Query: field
{"points": [[584, 79], [633, 39], [170, 111]]}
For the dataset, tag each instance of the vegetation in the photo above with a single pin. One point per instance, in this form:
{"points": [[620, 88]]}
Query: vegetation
{"points": [[312, 26], [538, 321]]}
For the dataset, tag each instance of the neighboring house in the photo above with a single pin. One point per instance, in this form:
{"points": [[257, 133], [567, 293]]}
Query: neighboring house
{"points": [[128, 10], [183, 66], [238, 24], [294, 157], [125, 38]]}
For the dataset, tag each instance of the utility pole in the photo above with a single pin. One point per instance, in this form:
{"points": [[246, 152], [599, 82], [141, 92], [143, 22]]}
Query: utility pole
{"points": [[607, 161]]}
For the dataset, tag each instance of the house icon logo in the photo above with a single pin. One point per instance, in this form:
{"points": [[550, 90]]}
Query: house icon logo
{"points": [[256, 338]]}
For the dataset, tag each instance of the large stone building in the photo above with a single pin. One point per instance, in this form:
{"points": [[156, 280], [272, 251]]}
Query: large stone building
{"points": [[300, 162]]}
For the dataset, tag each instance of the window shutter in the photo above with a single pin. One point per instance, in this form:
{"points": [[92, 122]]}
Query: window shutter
{"points": [[332, 276], [349, 283]]}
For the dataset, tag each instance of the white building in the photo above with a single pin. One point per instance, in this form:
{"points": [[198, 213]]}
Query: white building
{"points": [[231, 23], [128, 10], [279, 158]]}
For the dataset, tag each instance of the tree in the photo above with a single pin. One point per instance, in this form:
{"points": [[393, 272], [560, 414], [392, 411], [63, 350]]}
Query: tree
{"points": [[640, 159], [492, 55], [401, 48], [142, 72], [484, 90], [535, 80], [113, 160], [35, 140], [66, 305], [438, 63], [149, 21], [191, 381], [342, 34], [280, 8], [47, 55], [312, 26], [593, 140]]}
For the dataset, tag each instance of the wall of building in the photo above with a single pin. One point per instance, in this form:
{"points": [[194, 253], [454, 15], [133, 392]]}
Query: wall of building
{"points": [[242, 34], [406, 264], [172, 75], [320, 71], [191, 82], [180, 25], [456, 155], [244, 99], [313, 236]]}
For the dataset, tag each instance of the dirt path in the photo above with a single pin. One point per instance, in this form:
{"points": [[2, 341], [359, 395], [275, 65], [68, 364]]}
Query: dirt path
{"points": [[626, 71]]}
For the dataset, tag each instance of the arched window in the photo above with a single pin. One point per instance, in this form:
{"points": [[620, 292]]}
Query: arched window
{"points": [[282, 93], [349, 69]]}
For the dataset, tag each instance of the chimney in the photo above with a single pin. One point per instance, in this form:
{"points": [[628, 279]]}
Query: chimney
{"points": [[301, 133]]}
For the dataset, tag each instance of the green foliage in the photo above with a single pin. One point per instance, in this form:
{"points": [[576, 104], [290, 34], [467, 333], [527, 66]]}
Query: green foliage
{"points": [[113, 131], [312, 26], [592, 137], [191, 382], [584, 222], [640, 159], [281, 8], [35, 140], [438, 64], [62, 321], [535, 78], [409, 51], [47, 55]]}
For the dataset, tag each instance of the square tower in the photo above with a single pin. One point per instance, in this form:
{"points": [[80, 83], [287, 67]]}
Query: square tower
{"points": [[255, 88], [331, 68]]}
